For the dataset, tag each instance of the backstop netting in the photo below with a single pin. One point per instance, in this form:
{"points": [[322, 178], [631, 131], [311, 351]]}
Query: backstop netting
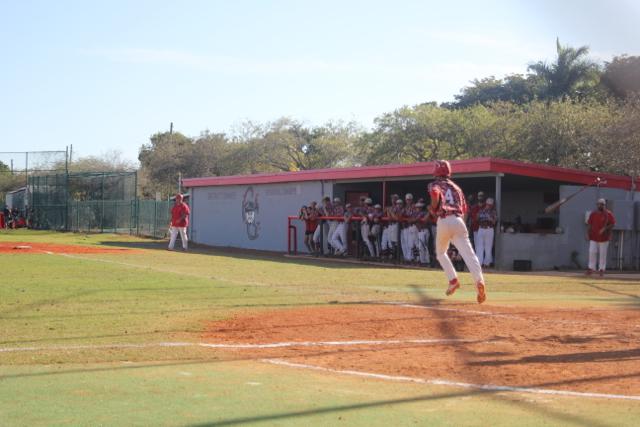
{"points": [[95, 202], [17, 166], [84, 201]]}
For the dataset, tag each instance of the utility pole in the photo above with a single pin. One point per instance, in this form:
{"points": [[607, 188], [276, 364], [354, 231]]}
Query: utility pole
{"points": [[170, 142]]}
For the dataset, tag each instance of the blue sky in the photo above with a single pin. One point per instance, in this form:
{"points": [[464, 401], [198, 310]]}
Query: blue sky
{"points": [[105, 76]]}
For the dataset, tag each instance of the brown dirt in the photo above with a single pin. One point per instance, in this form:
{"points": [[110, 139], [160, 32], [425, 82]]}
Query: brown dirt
{"points": [[593, 350], [39, 248]]}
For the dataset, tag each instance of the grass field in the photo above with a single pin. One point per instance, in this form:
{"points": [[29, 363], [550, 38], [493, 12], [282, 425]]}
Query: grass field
{"points": [[79, 335]]}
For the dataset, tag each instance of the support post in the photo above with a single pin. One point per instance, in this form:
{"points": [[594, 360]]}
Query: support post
{"points": [[498, 234], [384, 195]]}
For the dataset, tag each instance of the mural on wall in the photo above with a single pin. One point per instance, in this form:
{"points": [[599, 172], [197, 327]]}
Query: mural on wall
{"points": [[250, 209]]}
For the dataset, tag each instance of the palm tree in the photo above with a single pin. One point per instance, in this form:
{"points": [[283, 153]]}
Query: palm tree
{"points": [[572, 74]]}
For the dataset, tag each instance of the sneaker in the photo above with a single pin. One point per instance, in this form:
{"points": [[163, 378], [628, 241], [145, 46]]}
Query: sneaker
{"points": [[453, 286], [482, 295]]}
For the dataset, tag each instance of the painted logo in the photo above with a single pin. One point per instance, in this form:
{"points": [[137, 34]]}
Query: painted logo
{"points": [[250, 209]]}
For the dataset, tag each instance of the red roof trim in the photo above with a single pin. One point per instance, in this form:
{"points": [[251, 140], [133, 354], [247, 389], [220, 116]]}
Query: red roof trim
{"points": [[477, 165]]}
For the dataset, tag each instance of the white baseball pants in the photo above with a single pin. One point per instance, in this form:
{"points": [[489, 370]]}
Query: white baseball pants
{"points": [[365, 230], [423, 245], [596, 248], [409, 238], [484, 245], [376, 232], [452, 229], [174, 234], [390, 236], [339, 237]]}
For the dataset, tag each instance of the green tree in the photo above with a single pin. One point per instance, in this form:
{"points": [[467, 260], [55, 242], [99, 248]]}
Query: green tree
{"points": [[289, 145], [622, 76], [411, 134], [572, 74], [514, 88]]}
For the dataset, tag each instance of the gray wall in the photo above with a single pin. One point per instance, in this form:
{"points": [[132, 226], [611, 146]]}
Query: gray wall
{"points": [[554, 250], [218, 220], [529, 205]]}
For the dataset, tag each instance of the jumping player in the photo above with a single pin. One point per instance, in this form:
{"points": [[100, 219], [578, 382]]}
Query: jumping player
{"points": [[448, 204]]}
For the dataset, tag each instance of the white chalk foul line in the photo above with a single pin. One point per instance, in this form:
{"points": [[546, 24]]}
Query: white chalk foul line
{"points": [[244, 345], [486, 387]]}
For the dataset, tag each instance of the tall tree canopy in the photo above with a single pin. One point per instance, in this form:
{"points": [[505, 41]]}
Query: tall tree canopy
{"points": [[572, 74], [622, 76]]}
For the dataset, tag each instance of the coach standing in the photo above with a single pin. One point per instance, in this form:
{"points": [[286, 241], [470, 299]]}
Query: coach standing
{"points": [[599, 226], [179, 222]]}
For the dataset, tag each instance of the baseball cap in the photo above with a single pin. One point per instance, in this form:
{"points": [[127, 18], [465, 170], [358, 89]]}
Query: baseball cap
{"points": [[602, 202], [368, 200], [419, 205], [409, 196], [399, 202], [490, 201], [378, 206], [348, 205], [336, 200]]}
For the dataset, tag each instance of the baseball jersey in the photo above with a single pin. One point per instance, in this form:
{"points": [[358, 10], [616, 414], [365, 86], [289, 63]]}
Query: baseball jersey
{"points": [[395, 211], [487, 216], [598, 220], [473, 216], [326, 210], [177, 212], [451, 200], [338, 210]]}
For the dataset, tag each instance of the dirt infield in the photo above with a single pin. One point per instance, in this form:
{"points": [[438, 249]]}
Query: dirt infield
{"points": [[39, 248], [594, 350]]}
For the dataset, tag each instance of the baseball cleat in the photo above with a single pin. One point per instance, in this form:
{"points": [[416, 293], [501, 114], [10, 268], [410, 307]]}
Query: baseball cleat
{"points": [[601, 273], [453, 286], [482, 295], [589, 272]]}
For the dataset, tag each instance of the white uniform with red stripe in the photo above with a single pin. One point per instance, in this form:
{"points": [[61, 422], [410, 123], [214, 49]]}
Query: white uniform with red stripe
{"points": [[451, 228]]}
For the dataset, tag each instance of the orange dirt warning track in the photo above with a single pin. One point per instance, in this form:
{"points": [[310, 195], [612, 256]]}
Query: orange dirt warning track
{"points": [[585, 350], [39, 248]]}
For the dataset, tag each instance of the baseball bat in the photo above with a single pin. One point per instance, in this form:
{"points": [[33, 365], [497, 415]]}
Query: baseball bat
{"points": [[555, 205]]}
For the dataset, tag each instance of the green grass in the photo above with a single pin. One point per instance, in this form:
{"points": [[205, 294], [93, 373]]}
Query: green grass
{"points": [[153, 296]]}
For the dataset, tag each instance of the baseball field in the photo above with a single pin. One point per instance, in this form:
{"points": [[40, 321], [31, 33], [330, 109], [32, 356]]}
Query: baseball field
{"points": [[115, 330]]}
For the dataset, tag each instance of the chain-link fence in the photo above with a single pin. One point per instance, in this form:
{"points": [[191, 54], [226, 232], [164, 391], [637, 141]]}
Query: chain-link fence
{"points": [[17, 167], [95, 202], [140, 217]]}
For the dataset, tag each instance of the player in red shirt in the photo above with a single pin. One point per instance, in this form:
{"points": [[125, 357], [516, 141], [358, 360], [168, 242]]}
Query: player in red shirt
{"points": [[599, 226], [179, 222], [448, 204], [473, 217]]}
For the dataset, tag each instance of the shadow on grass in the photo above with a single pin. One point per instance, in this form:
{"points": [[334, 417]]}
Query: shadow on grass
{"points": [[250, 254], [634, 301], [499, 395]]}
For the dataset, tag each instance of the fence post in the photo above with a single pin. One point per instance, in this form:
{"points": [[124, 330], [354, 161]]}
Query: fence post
{"points": [[155, 217], [115, 214]]}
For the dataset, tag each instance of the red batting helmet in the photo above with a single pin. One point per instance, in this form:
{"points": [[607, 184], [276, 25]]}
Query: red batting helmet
{"points": [[443, 168]]}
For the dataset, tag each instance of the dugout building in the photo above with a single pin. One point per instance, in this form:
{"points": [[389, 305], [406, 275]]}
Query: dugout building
{"points": [[251, 211]]}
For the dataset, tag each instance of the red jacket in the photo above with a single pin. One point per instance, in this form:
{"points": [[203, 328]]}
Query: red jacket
{"points": [[180, 215]]}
